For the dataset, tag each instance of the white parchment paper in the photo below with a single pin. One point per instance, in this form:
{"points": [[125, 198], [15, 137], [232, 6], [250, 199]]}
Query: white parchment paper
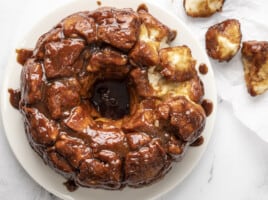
{"points": [[251, 111]]}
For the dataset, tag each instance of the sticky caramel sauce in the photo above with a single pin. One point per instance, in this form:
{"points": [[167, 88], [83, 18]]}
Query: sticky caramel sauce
{"points": [[208, 106], [198, 142], [14, 97], [203, 68], [70, 185], [23, 55]]}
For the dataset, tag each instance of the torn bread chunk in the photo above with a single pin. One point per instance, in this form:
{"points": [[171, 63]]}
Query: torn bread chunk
{"points": [[192, 89], [223, 40], [255, 60], [145, 52], [156, 30], [152, 84], [153, 36], [202, 8], [178, 63]]}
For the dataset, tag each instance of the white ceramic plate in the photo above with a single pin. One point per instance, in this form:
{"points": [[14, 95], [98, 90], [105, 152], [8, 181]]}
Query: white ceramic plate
{"points": [[46, 177]]}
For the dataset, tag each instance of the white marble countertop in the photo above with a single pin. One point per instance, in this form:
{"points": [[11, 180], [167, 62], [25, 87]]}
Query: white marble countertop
{"points": [[234, 166]]}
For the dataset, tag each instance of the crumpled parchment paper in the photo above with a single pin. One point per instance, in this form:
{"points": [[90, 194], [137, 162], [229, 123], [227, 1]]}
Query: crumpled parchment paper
{"points": [[253, 17]]}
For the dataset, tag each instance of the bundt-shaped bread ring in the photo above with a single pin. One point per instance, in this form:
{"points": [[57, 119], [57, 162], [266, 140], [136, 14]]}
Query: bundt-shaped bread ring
{"points": [[107, 102]]}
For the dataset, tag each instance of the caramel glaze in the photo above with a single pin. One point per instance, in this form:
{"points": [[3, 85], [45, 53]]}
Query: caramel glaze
{"points": [[199, 141], [70, 185], [14, 98], [208, 106], [203, 69], [142, 7], [83, 114], [23, 55]]}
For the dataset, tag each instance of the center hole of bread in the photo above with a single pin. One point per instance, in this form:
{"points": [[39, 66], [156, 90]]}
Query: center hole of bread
{"points": [[111, 98]]}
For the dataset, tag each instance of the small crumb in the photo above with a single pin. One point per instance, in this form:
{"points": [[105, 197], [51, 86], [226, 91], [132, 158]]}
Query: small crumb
{"points": [[203, 69], [99, 3]]}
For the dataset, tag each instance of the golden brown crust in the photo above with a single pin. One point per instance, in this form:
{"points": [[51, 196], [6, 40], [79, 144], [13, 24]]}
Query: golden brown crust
{"points": [[255, 60], [223, 40], [202, 8]]}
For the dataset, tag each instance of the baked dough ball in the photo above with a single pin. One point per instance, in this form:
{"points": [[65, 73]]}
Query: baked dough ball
{"points": [[117, 27], [202, 8], [151, 83], [178, 63], [79, 24], [109, 61], [186, 116], [174, 76], [32, 81], [223, 40], [255, 60], [153, 36]]}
